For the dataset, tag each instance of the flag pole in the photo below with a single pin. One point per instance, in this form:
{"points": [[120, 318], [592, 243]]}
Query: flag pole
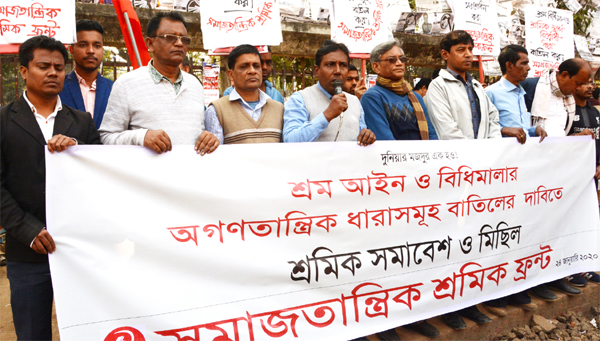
{"points": [[130, 31]]}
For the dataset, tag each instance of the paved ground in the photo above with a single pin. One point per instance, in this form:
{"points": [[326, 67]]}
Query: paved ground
{"points": [[498, 329]]}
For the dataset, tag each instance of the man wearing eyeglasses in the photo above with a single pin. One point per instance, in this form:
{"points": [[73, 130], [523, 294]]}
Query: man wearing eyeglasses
{"points": [[319, 112], [392, 110], [159, 105]]}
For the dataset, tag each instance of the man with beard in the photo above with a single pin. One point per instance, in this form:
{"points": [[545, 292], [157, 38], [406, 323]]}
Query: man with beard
{"points": [[85, 89], [319, 112], [159, 105], [351, 85]]}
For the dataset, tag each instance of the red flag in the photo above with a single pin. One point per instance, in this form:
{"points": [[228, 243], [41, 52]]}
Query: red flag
{"points": [[124, 6]]}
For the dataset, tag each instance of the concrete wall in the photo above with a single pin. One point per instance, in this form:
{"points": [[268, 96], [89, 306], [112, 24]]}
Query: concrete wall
{"points": [[299, 39]]}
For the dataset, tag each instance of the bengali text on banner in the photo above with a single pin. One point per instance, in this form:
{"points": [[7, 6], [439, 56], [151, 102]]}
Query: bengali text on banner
{"points": [[310, 241]]}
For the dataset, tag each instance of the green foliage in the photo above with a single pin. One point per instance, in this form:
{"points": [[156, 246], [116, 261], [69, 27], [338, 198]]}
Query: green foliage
{"points": [[412, 4], [10, 75], [583, 18]]}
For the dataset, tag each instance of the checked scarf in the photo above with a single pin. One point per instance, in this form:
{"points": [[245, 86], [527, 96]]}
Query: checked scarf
{"points": [[402, 87]]}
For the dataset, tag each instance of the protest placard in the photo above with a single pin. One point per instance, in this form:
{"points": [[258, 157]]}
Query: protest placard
{"points": [[305, 241], [229, 23], [360, 25], [480, 19], [23, 19], [549, 35]]}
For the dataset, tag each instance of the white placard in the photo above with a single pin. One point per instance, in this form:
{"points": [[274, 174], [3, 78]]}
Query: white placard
{"points": [[227, 23], [432, 6], [441, 23], [492, 68], [361, 25], [573, 5], [395, 8], [23, 19], [549, 36], [480, 19], [582, 47], [310, 241]]}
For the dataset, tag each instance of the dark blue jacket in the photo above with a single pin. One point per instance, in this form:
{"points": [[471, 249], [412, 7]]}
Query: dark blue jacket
{"points": [[71, 95], [529, 85]]}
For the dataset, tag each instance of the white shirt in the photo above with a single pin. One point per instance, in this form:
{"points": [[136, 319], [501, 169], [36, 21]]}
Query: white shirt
{"points": [[46, 123]]}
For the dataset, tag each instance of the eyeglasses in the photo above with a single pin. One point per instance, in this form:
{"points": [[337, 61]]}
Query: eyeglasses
{"points": [[172, 39], [394, 60]]}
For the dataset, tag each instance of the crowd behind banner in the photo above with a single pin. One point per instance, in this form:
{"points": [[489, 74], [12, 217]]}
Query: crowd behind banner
{"points": [[159, 105]]}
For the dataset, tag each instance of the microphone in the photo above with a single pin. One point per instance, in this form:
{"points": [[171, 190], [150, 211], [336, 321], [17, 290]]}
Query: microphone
{"points": [[337, 86]]}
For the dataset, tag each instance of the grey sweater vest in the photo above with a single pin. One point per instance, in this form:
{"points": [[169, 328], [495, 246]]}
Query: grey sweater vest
{"points": [[316, 102]]}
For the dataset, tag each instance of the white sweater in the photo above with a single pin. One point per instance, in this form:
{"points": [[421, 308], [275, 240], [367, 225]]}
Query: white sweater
{"points": [[136, 105]]}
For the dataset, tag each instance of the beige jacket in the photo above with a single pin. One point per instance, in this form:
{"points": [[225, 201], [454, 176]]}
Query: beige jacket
{"points": [[450, 112]]}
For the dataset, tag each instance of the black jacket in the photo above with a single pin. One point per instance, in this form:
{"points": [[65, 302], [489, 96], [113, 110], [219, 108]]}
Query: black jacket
{"points": [[23, 172]]}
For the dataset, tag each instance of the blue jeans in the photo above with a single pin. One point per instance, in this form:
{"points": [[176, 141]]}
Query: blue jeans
{"points": [[31, 299]]}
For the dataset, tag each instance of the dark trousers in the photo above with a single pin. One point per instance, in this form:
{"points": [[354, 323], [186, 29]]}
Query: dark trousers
{"points": [[31, 299], [516, 299]]}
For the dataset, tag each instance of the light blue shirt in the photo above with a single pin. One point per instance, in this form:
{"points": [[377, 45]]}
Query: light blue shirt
{"points": [[296, 124], [510, 102], [211, 121], [270, 90]]}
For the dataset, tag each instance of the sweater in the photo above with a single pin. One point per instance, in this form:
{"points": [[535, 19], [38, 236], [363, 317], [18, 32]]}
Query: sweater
{"points": [[239, 127], [137, 104], [391, 116]]}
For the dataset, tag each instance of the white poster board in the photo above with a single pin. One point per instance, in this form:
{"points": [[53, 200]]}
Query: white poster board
{"points": [[549, 35], [361, 25], [310, 241], [480, 19], [227, 23], [23, 19]]}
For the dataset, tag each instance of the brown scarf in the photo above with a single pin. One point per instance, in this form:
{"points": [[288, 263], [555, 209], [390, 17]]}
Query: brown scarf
{"points": [[402, 87]]}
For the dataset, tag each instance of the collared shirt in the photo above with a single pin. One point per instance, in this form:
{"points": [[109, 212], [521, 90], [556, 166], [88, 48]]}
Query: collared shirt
{"points": [[211, 121], [157, 77], [269, 89], [473, 99], [46, 123], [297, 126], [510, 102], [88, 93]]}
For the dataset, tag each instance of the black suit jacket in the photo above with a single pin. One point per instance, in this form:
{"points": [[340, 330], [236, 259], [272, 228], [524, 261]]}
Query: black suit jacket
{"points": [[529, 85], [23, 172]]}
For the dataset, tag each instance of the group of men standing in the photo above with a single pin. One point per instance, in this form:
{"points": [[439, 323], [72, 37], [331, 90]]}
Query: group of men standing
{"points": [[158, 105]]}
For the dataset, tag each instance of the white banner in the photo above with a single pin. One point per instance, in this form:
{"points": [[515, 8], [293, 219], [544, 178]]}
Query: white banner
{"points": [[310, 241], [480, 19], [360, 25], [227, 23], [549, 33], [23, 19]]}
